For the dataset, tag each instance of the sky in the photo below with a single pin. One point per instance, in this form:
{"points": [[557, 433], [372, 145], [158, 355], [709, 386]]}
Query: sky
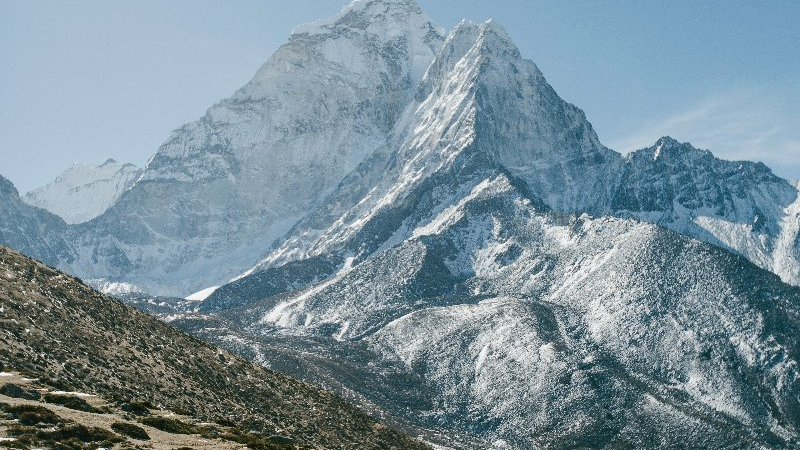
{"points": [[88, 80]]}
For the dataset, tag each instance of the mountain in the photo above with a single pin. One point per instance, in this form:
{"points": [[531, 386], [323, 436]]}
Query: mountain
{"points": [[528, 329], [480, 90], [461, 101], [31, 229], [84, 190], [221, 189], [299, 145], [450, 265], [433, 232], [738, 205], [73, 338]]}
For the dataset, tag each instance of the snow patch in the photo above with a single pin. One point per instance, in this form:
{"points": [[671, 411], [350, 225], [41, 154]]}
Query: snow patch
{"points": [[76, 394], [202, 294]]}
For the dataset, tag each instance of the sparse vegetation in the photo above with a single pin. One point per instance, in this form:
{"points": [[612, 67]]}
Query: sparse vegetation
{"points": [[65, 436], [225, 423], [13, 390], [148, 368], [169, 425], [33, 415], [71, 402], [255, 441], [130, 430], [136, 408]]}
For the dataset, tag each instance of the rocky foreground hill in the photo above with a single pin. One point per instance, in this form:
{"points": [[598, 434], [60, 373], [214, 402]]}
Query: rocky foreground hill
{"points": [[70, 338]]}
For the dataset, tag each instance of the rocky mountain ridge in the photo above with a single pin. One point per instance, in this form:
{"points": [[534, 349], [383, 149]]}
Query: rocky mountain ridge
{"points": [[32, 230], [220, 189], [547, 144], [549, 332]]}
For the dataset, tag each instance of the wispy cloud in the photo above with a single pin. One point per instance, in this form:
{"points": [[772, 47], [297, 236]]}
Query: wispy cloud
{"points": [[739, 124]]}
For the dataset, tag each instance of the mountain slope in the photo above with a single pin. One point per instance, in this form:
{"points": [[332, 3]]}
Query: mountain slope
{"points": [[58, 329], [221, 189], [30, 229], [84, 191], [531, 330], [479, 93], [458, 114]]}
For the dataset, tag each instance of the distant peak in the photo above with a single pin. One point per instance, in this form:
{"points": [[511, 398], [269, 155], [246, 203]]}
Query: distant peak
{"points": [[673, 148], [487, 29], [667, 141], [109, 161], [379, 7], [486, 38], [493, 26], [486, 47], [493, 39], [360, 4]]}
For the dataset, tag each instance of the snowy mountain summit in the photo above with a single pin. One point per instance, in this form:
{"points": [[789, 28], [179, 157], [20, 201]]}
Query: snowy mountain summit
{"points": [[84, 190], [222, 188]]}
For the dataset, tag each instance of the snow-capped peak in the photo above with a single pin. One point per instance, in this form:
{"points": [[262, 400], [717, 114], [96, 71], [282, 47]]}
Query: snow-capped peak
{"points": [[478, 97], [667, 141], [366, 14], [84, 190], [494, 36], [392, 24]]}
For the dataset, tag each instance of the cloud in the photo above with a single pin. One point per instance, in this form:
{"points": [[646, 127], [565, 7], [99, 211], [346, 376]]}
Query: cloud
{"points": [[738, 124]]}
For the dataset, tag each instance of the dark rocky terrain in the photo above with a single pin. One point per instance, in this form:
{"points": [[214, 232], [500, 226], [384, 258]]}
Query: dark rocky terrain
{"points": [[73, 338]]}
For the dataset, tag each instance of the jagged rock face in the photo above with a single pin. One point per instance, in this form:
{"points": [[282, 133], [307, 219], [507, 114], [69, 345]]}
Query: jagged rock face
{"points": [[480, 96], [741, 206], [30, 229], [84, 191], [220, 189], [536, 135], [459, 115]]}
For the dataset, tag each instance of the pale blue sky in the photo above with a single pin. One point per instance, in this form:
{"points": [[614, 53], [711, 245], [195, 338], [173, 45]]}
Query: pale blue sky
{"points": [[87, 80]]}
